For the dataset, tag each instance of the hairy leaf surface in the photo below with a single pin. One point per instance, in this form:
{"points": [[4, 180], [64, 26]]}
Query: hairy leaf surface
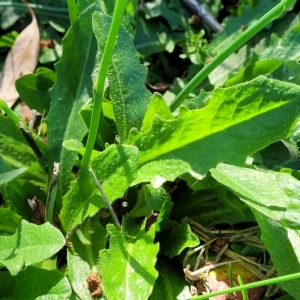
{"points": [[128, 269], [28, 245], [126, 78], [73, 88], [237, 122]]}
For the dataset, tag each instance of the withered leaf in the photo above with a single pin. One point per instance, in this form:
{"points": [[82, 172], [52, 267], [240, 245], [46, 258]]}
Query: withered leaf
{"points": [[21, 59]]}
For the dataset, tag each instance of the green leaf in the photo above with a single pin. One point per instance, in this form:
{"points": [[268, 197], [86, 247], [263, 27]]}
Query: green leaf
{"points": [[154, 37], [237, 122], [282, 244], [273, 194], [176, 238], [28, 245], [34, 89], [128, 269], [18, 193], [83, 255], [9, 220], [159, 107], [290, 42], [115, 168], [259, 68], [170, 284], [126, 78], [34, 284], [78, 270], [72, 89], [14, 149], [8, 176], [105, 133], [211, 205]]}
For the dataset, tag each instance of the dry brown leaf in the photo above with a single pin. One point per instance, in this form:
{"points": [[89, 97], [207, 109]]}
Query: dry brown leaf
{"points": [[21, 59]]}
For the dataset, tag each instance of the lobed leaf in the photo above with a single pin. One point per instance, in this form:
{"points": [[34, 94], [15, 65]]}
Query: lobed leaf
{"points": [[126, 78], [176, 237], [128, 269], [28, 245], [238, 121]]}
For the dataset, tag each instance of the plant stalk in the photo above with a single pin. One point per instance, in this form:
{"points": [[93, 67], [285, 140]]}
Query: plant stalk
{"points": [[244, 37], [104, 65]]}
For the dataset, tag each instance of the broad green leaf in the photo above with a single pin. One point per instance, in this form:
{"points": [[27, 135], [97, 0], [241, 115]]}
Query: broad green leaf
{"points": [[128, 269], [28, 245], [18, 193], [290, 42], [211, 205], [14, 148], [84, 254], [34, 89], [9, 220], [261, 67], [78, 270], [170, 284], [72, 89], [176, 238], [115, 168], [237, 122], [34, 284], [126, 78], [283, 244], [273, 194]]}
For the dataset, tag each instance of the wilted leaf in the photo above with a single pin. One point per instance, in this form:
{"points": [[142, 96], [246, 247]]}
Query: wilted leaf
{"points": [[21, 60]]}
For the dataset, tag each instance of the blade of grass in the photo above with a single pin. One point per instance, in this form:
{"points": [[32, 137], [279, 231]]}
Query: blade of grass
{"points": [[231, 48], [243, 291], [104, 64], [72, 8]]}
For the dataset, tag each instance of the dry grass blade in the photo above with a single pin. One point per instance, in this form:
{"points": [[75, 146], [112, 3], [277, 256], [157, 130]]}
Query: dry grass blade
{"points": [[21, 60]]}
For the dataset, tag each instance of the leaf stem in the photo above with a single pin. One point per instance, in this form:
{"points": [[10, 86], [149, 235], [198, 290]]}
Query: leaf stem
{"points": [[112, 212], [250, 286], [231, 48], [72, 8], [104, 64], [52, 194]]}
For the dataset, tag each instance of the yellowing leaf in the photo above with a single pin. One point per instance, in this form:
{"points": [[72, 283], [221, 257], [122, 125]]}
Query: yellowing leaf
{"points": [[21, 60]]}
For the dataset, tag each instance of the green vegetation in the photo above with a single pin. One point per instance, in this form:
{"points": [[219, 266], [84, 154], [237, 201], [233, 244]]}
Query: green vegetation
{"points": [[186, 187]]}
